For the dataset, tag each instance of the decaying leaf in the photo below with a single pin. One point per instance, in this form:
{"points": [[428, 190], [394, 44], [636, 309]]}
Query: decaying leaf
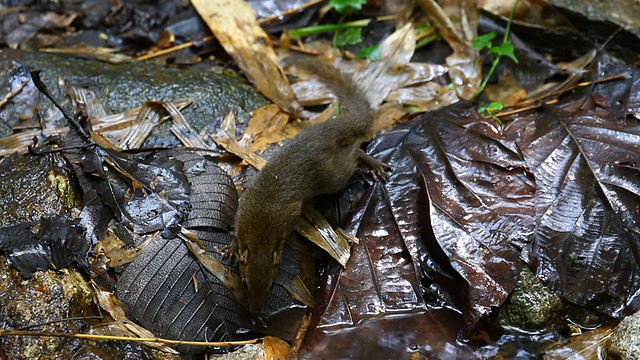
{"points": [[234, 25], [213, 265], [316, 228], [123, 326], [109, 55], [182, 130], [265, 127], [126, 131], [507, 91], [378, 78], [588, 182], [457, 23], [588, 345], [276, 349], [116, 250], [226, 137]]}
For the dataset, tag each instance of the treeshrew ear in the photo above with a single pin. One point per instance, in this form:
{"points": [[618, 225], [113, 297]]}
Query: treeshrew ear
{"points": [[244, 256], [276, 257]]}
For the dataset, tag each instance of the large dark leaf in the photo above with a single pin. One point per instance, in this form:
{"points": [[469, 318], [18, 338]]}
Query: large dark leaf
{"points": [[455, 214], [476, 195], [587, 239], [165, 288], [169, 293]]}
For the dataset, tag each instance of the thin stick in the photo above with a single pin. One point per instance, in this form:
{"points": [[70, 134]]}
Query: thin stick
{"points": [[13, 93], [127, 338], [35, 75]]}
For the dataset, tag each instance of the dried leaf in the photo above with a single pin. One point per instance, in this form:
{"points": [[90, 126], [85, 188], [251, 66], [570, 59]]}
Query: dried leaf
{"points": [[107, 301], [465, 64], [234, 24], [213, 266], [109, 55], [276, 349], [378, 78], [507, 91], [226, 137], [182, 130], [317, 229], [116, 250], [265, 127]]}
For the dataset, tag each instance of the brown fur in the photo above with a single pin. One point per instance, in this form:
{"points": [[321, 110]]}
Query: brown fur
{"points": [[319, 160]]}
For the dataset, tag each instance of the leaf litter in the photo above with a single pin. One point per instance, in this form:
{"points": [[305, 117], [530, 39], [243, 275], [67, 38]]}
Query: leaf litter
{"points": [[469, 203]]}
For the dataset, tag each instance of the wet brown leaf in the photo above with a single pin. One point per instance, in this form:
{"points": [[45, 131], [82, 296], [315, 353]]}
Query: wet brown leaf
{"points": [[588, 345], [453, 218], [585, 162], [507, 91]]}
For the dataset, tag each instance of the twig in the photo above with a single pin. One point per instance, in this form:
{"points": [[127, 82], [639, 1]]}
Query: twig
{"points": [[128, 338], [13, 93], [35, 75]]}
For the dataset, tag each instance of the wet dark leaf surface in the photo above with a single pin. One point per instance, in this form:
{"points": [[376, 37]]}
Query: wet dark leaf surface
{"points": [[452, 220], [419, 334], [159, 290], [442, 243], [472, 188], [466, 204], [586, 244], [165, 288]]}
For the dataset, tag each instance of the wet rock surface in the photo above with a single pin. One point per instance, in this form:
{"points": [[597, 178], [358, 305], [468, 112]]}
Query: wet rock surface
{"points": [[126, 86], [625, 340], [34, 187]]}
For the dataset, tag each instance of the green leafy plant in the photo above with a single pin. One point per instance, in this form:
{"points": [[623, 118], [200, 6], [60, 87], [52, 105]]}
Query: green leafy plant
{"points": [[371, 52], [491, 109], [344, 33], [425, 34], [506, 48], [345, 6]]}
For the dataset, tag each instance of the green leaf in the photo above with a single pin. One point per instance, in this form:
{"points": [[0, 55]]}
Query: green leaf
{"points": [[423, 27], [483, 41], [371, 52], [491, 110], [505, 49], [342, 6], [495, 106], [349, 36], [428, 39], [313, 30]]}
